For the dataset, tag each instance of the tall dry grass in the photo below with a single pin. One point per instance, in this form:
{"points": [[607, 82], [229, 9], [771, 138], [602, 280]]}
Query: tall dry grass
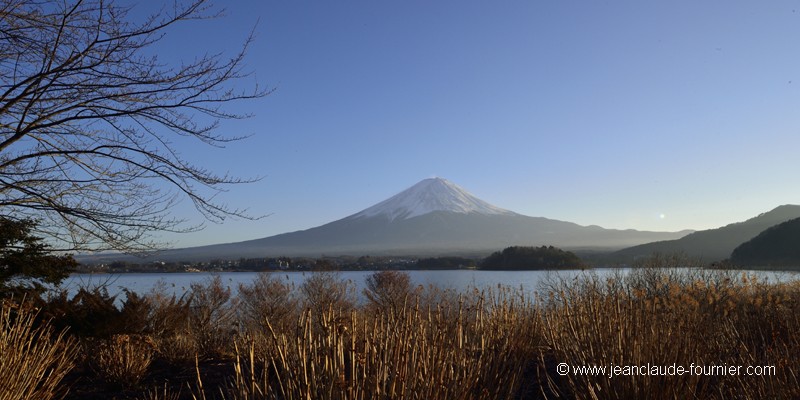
{"points": [[408, 353], [432, 343], [663, 317], [33, 359], [123, 360]]}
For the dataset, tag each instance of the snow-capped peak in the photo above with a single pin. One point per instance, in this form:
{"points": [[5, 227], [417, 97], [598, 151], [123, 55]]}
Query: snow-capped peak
{"points": [[429, 195]]}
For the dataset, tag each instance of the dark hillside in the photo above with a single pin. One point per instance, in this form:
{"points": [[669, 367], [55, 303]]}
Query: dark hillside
{"points": [[713, 244], [776, 246]]}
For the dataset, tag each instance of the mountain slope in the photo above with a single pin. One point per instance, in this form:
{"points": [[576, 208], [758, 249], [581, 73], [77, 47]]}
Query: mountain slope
{"points": [[433, 217], [714, 244], [776, 246], [429, 195]]}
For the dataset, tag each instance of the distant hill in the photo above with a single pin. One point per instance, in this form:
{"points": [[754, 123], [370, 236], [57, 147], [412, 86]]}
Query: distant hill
{"points": [[523, 258], [713, 244], [776, 246], [433, 217]]}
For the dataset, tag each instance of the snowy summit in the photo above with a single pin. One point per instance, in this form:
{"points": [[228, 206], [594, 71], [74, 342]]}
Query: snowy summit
{"points": [[429, 195]]}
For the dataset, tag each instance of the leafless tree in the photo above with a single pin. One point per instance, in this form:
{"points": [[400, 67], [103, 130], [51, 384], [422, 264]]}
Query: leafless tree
{"points": [[388, 291], [90, 118]]}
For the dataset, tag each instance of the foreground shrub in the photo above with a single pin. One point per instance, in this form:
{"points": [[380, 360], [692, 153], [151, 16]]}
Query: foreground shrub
{"points": [[33, 360], [268, 299], [212, 317], [324, 291], [91, 312], [123, 360], [169, 315], [169, 324], [388, 291], [177, 349]]}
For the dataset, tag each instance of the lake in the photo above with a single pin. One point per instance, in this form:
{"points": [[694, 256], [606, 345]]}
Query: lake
{"points": [[528, 281]]}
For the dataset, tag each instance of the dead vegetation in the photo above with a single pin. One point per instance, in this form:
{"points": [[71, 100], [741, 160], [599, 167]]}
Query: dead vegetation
{"points": [[274, 341]]}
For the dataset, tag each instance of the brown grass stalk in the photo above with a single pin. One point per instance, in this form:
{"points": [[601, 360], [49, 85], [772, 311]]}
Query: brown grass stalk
{"points": [[33, 360]]}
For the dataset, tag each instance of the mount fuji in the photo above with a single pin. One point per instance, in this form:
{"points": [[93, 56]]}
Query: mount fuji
{"points": [[433, 217], [427, 196]]}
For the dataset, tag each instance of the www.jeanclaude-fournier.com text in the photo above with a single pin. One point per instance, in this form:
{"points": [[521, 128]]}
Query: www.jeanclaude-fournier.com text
{"points": [[613, 370]]}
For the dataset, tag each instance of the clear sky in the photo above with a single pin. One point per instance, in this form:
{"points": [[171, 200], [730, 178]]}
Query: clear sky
{"points": [[653, 115]]}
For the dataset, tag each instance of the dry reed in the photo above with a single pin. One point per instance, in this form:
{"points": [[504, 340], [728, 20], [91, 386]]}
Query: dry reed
{"points": [[666, 318], [429, 343], [123, 360], [33, 360], [409, 353]]}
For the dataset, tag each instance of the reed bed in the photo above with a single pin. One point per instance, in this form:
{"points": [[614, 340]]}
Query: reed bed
{"points": [[413, 354], [33, 359], [657, 317], [429, 343]]}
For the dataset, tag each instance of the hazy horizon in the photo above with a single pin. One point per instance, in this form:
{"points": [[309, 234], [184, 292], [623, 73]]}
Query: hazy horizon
{"points": [[658, 116]]}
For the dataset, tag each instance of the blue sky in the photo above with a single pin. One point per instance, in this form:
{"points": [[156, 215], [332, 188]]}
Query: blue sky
{"points": [[642, 114]]}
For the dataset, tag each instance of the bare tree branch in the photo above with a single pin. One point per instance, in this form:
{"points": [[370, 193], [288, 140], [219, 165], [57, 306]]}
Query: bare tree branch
{"points": [[86, 117]]}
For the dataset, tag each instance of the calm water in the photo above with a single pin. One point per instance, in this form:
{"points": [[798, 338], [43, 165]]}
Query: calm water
{"points": [[178, 283], [529, 281]]}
